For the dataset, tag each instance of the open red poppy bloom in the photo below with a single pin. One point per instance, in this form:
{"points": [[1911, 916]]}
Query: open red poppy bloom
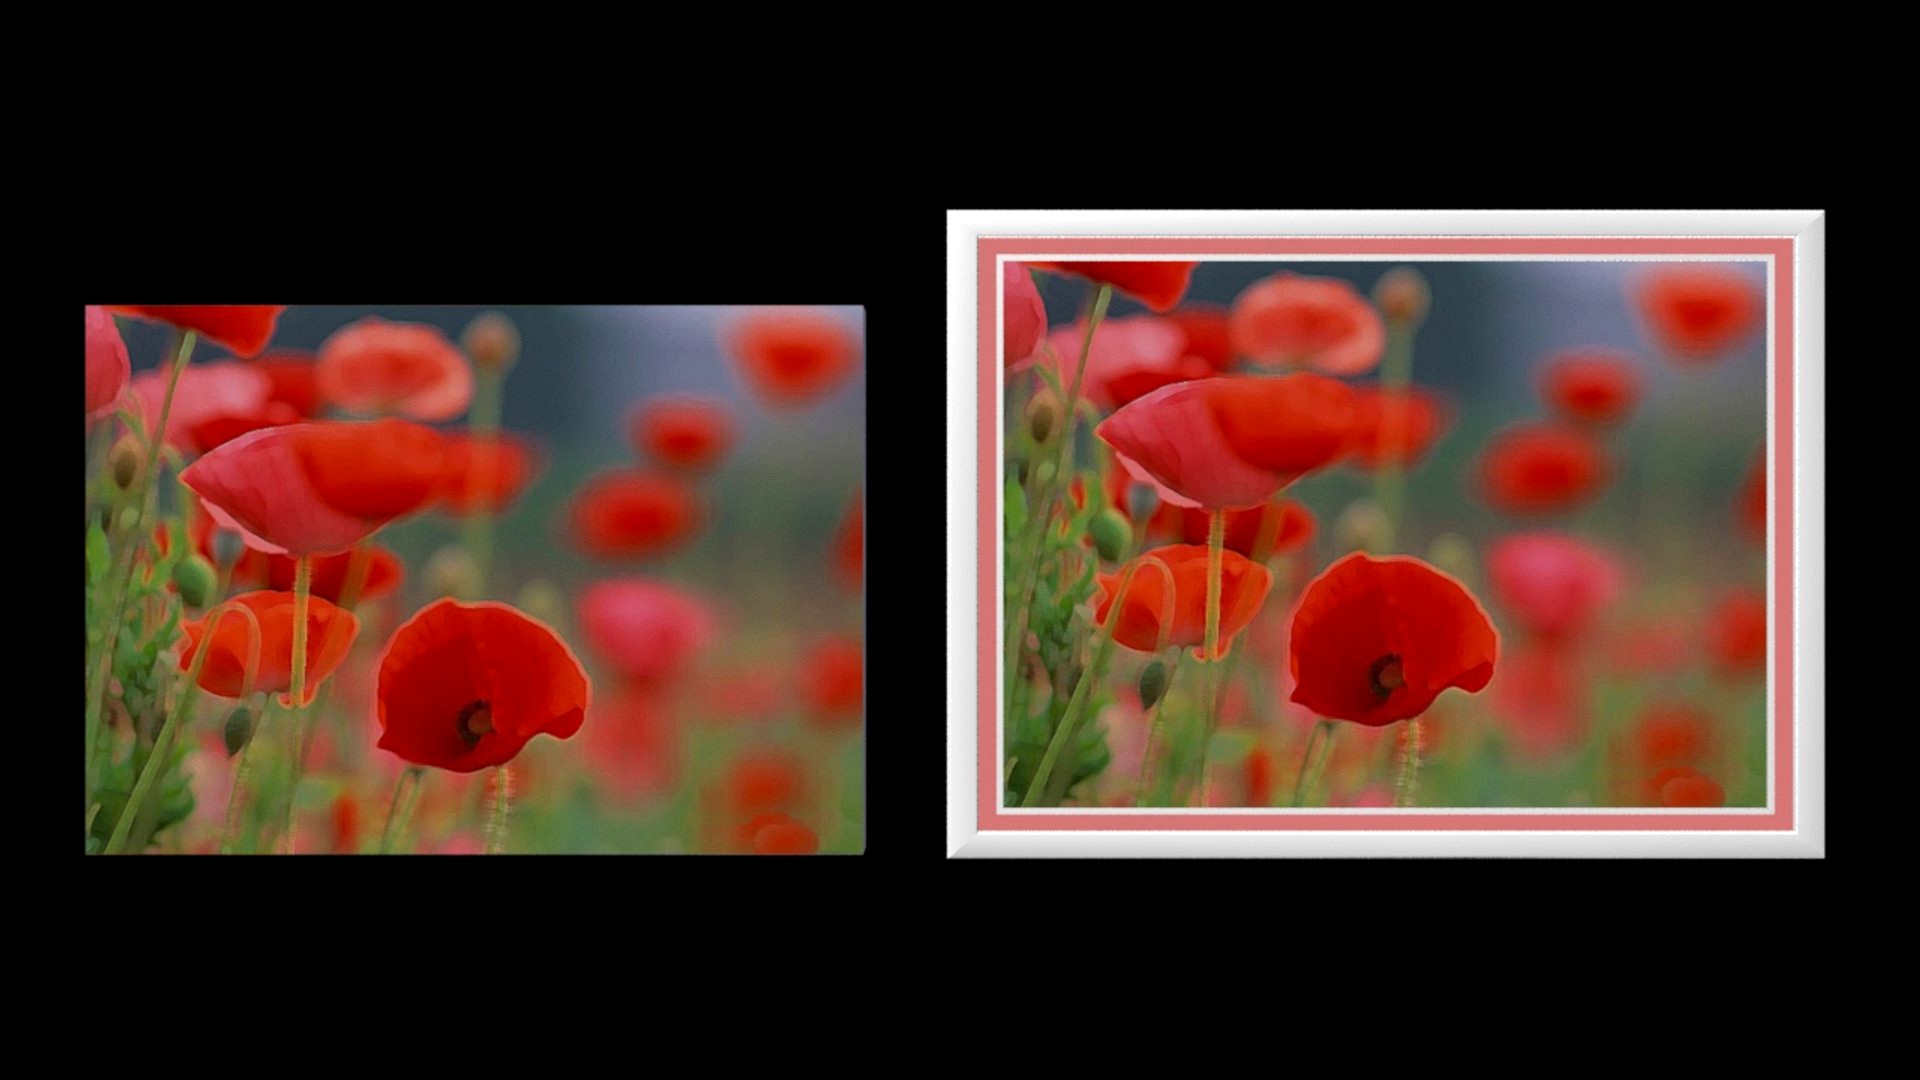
{"points": [[1751, 509], [1157, 612], [792, 356], [1023, 319], [1130, 358], [296, 380], [1230, 442], [330, 634], [213, 404], [1540, 699], [1542, 469], [1289, 320], [484, 474], [633, 744], [764, 781], [850, 545], [1395, 429], [1275, 527], [107, 366], [683, 431], [1555, 585], [244, 328], [1159, 285], [1592, 386], [465, 686], [1376, 640], [784, 837], [830, 682], [626, 514], [382, 368], [1737, 633], [1206, 327], [648, 631], [384, 574], [1700, 312]]}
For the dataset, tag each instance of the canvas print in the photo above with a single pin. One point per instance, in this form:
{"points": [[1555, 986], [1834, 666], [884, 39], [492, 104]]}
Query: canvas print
{"points": [[1352, 535], [446, 580]]}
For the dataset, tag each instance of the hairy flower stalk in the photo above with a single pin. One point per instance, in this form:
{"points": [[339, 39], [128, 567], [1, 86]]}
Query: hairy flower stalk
{"points": [[1216, 543], [302, 585], [1405, 789], [1062, 735], [1310, 765]]}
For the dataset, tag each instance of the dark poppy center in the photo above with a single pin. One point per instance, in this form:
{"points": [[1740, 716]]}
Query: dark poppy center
{"points": [[475, 720], [1385, 676]]}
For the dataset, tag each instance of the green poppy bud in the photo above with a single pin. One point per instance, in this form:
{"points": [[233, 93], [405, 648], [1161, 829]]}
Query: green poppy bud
{"points": [[239, 729], [542, 600], [1043, 416], [1153, 683], [1112, 535], [227, 547], [492, 341], [451, 572], [195, 577], [125, 462], [1362, 527]]}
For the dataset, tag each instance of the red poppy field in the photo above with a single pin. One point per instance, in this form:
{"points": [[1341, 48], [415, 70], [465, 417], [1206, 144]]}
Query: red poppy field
{"points": [[1348, 534], [452, 581]]}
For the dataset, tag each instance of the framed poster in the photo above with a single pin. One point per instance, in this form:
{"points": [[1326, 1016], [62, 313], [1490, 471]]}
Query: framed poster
{"points": [[1386, 533]]}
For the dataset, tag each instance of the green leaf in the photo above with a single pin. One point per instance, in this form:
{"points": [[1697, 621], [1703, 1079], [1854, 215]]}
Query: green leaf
{"points": [[98, 557]]}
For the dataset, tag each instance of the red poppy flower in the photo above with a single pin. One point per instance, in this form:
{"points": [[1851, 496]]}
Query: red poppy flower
{"points": [[1397, 429], [107, 366], [794, 357], [633, 745], [1554, 585], [465, 686], [398, 369], [1737, 633], [1751, 510], [1292, 321], [763, 781], [296, 380], [626, 514], [484, 474], [1376, 640], [1023, 319], [1259, 777], [330, 633], [1231, 442], [1159, 285], [1206, 327], [1275, 527], [1700, 312], [1542, 468], [648, 631], [784, 838], [1672, 733], [244, 328], [384, 574], [1540, 698], [1129, 358], [1592, 386], [213, 404], [830, 682], [849, 546], [317, 488], [684, 431], [1157, 612]]}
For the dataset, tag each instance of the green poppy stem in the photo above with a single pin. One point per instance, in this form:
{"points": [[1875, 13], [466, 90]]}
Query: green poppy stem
{"points": [[1216, 548], [502, 796], [1310, 766], [1062, 735], [1405, 789], [1153, 732], [302, 586], [401, 808]]}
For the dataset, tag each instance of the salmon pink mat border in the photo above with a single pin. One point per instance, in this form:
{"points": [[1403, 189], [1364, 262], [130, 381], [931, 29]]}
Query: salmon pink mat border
{"points": [[1781, 249]]}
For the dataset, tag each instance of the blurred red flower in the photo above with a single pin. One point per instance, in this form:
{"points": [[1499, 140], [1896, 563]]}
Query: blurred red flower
{"points": [[1288, 320], [1259, 777], [1275, 527], [792, 356], [1689, 787], [628, 514], [1024, 319], [1661, 645], [465, 686], [1230, 442], [830, 682], [399, 369], [295, 377], [1751, 509], [244, 328], [849, 546], [745, 694], [1542, 468], [761, 781], [1540, 698], [384, 574], [1397, 429], [107, 366], [330, 633], [1206, 327], [1672, 733], [648, 631], [682, 431], [317, 488], [1737, 633], [484, 475], [784, 838], [1554, 585], [1592, 386], [1700, 312], [633, 745], [213, 404], [1376, 640], [1129, 358], [1403, 295], [1158, 612], [1159, 285]]}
